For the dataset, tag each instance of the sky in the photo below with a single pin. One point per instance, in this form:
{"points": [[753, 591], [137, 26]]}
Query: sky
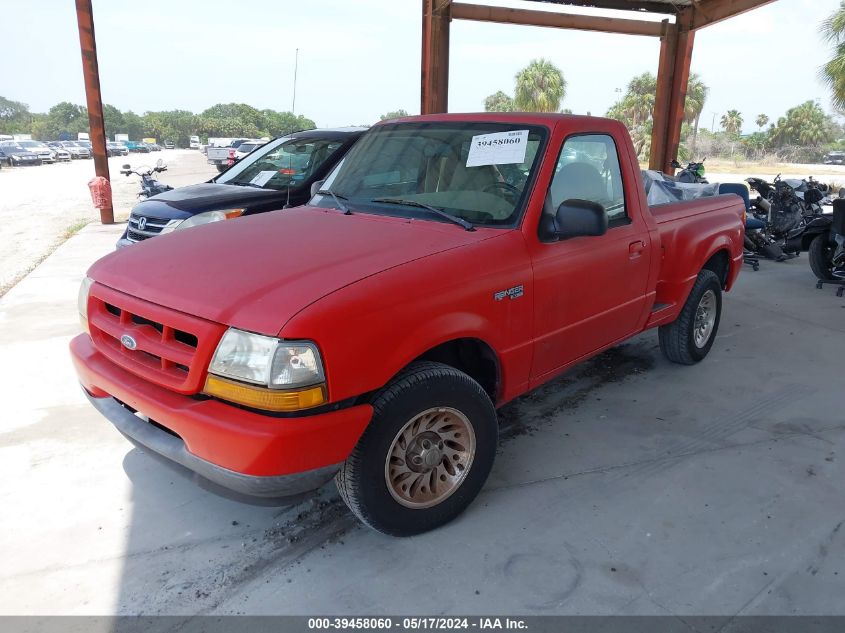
{"points": [[359, 59]]}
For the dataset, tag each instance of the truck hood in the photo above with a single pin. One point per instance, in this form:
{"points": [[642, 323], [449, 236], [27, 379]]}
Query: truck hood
{"points": [[257, 272], [208, 196]]}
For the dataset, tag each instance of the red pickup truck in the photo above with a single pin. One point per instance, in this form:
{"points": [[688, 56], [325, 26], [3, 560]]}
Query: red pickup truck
{"points": [[449, 264]]}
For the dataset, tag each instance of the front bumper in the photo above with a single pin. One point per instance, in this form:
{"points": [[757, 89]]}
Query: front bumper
{"points": [[250, 453]]}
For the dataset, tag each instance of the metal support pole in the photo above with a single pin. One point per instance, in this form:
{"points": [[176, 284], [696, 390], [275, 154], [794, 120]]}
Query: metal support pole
{"points": [[434, 94], [91, 73]]}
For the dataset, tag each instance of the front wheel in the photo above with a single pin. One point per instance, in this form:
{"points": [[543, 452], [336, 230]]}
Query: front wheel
{"points": [[425, 454], [688, 339], [820, 256]]}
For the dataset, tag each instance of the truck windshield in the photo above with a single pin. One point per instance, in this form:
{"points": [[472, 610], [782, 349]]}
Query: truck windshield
{"points": [[479, 172], [285, 162]]}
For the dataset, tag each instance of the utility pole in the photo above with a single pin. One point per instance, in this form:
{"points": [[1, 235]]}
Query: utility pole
{"points": [[91, 73], [295, 68]]}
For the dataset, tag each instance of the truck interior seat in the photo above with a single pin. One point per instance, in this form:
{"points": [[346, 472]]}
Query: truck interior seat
{"points": [[576, 181]]}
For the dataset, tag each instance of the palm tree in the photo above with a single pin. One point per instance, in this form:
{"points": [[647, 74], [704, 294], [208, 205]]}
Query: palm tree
{"points": [[833, 72], [540, 87], [761, 120], [732, 122], [694, 105]]}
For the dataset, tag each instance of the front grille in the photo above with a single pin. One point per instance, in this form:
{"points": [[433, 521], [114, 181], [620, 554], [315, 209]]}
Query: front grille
{"points": [[171, 349], [152, 227]]}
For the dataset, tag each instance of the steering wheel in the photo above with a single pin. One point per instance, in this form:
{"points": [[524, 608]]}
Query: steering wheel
{"points": [[507, 187]]}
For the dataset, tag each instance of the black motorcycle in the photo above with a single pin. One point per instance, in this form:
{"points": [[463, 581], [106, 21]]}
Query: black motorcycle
{"points": [[149, 185], [692, 173], [786, 206], [826, 243]]}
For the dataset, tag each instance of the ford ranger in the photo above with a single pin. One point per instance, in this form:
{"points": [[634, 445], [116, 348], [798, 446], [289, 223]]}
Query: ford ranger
{"points": [[447, 265]]}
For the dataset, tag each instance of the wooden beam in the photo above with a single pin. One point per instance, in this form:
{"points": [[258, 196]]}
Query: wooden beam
{"points": [[648, 6], [529, 17], [672, 77], [434, 92], [706, 12]]}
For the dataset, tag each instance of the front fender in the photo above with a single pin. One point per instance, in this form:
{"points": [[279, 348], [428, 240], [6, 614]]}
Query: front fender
{"points": [[368, 331]]}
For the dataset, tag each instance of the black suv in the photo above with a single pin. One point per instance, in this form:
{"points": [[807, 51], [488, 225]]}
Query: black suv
{"points": [[277, 175]]}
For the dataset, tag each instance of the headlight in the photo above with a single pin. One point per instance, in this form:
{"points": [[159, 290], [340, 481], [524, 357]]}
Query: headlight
{"points": [[289, 373], [82, 302], [206, 218]]}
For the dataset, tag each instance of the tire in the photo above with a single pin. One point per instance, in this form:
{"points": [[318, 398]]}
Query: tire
{"points": [[682, 341], [429, 402], [819, 256]]}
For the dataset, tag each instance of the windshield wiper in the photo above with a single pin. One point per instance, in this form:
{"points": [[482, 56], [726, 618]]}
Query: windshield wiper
{"points": [[337, 200], [239, 183], [466, 224]]}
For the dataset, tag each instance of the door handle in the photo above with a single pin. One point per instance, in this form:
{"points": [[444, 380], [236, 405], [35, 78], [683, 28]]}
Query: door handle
{"points": [[635, 249]]}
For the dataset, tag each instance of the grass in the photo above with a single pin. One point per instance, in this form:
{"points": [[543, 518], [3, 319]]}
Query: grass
{"points": [[69, 232]]}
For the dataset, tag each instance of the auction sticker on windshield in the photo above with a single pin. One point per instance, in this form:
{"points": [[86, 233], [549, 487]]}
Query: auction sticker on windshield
{"points": [[262, 178], [498, 148]]}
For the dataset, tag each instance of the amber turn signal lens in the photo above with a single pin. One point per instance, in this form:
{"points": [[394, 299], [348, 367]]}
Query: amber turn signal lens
{"points": [[263, 398]]}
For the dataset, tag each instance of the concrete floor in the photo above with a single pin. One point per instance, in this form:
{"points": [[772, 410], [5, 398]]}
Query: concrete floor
{"points": [[629, 486]]}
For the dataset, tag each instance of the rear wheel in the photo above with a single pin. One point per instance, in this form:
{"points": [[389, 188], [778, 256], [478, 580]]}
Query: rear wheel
{"points": [[426, 453], [820, 256], [689, 338]]}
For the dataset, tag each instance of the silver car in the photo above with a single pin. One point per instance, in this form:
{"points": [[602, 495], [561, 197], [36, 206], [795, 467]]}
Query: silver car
{"points": [[46, 154]]}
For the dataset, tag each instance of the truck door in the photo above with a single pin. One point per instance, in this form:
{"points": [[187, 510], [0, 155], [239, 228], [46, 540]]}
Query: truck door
{"points": [[589, 291]]}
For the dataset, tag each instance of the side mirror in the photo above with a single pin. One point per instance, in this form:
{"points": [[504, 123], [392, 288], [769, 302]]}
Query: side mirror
{"points": [[127, 166], [576, 218], [316, 186]]}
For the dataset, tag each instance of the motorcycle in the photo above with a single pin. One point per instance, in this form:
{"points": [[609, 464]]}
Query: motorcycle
{"points": [[826, 245], [786, 206], [693, 172], [149, 185]]}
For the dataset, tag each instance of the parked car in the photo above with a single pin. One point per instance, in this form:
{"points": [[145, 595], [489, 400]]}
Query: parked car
{"points": [[246, 148], [44, 152], [76, 150], [62, 155], [372, 334], [137, 147], [154, 147], [14, 154], [224, 157], [169, 145], [194, 142], [117, 149], [277, 175], [835, 158]]}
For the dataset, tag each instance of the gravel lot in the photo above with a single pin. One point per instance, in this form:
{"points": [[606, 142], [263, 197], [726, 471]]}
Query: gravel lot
{"points": [[40, 204]]}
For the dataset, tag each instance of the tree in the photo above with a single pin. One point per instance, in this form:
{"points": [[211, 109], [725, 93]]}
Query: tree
{"points": [[833, 72], [66, 120], [806, 125], [731, 122], [540, 87], [112, 120], [15, 116], [498, 102], [394, 114], [694, 105], [761, 121], [133, 125]]}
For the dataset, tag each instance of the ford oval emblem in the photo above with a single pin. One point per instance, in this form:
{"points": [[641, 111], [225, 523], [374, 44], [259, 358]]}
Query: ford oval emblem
{"points": [[128, 342]]}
